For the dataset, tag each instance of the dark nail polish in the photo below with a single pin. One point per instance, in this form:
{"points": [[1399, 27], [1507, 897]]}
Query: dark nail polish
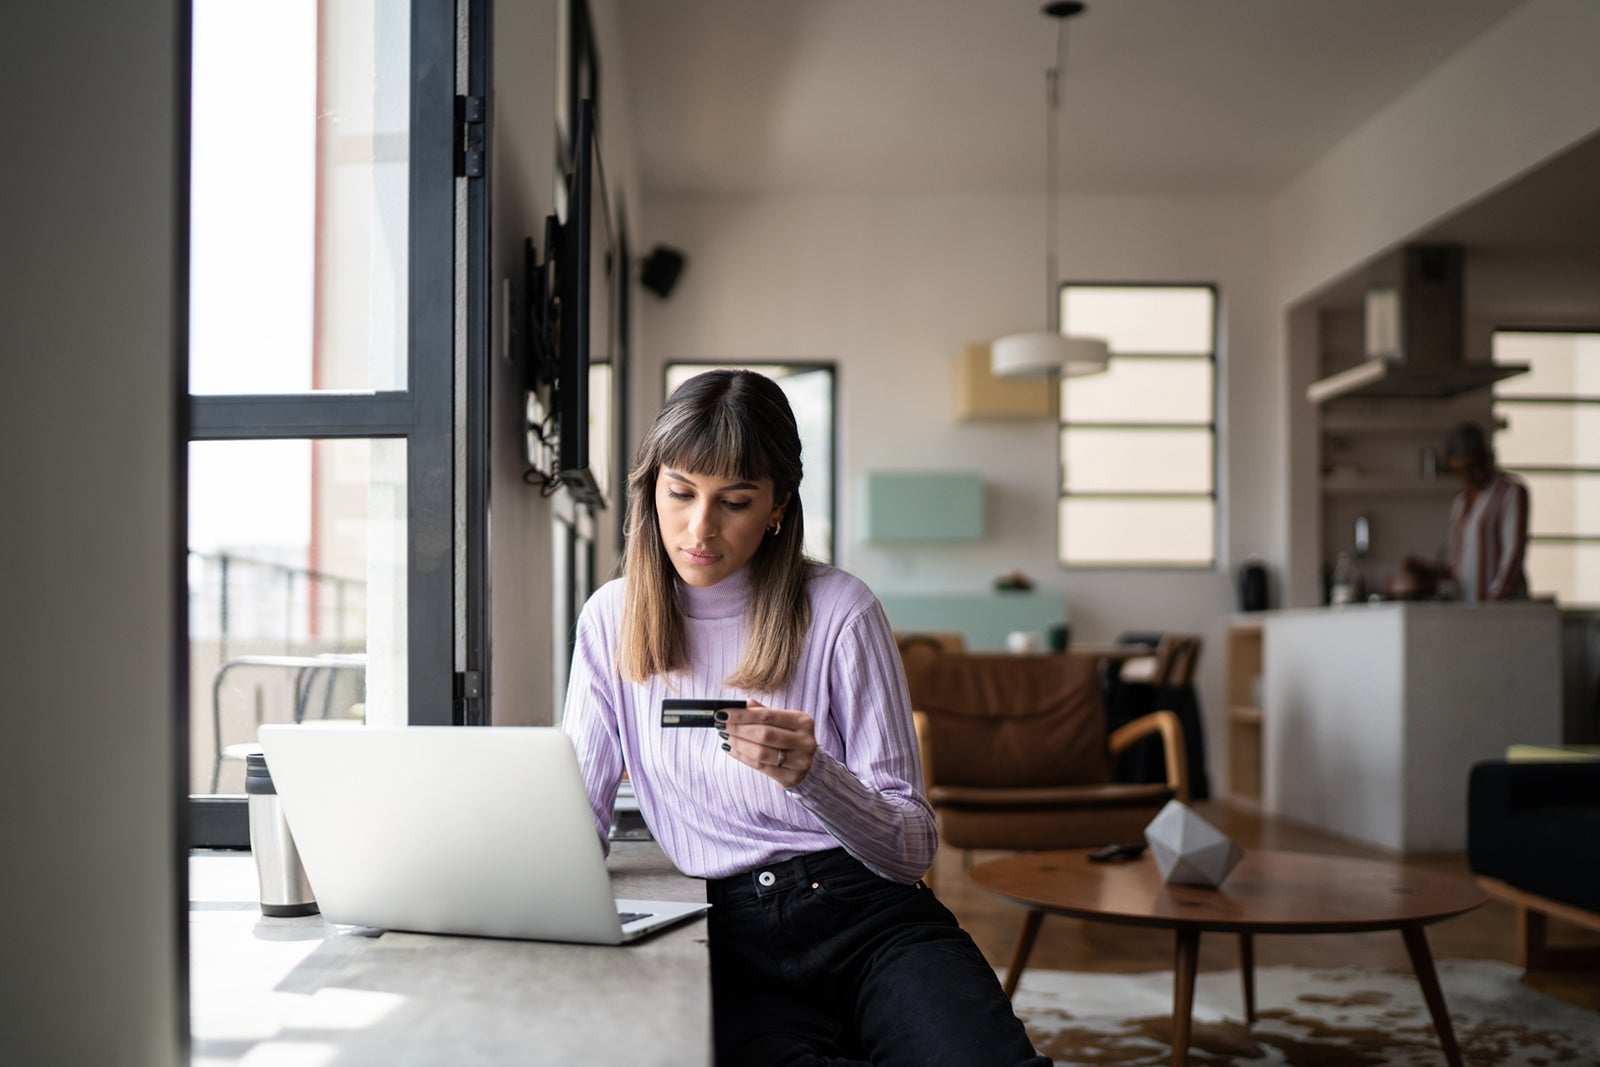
{"points": [[721, 716], [727, 747], [722, 734]]}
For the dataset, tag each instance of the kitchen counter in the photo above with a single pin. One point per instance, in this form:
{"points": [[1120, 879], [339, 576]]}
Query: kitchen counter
{"points": [[304, 991], [1373, 714]]}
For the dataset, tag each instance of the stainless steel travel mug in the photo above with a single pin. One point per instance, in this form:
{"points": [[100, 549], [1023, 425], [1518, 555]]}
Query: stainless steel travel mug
{"points": [[285, 890]]}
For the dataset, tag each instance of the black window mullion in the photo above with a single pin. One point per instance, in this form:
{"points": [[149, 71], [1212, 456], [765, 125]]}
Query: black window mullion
{"points": [[473, 695], [430, 574], [300, 415]]}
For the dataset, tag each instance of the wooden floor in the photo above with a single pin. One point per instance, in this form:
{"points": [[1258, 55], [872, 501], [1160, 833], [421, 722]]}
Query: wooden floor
{"points": [[1069, 945]]}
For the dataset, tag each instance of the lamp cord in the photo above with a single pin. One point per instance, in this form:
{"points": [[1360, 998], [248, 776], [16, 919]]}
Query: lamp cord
{"points": [[1052, 87]]}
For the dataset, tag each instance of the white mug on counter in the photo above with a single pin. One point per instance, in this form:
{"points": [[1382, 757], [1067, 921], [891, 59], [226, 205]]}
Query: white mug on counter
{"points": [[1022, 641]]}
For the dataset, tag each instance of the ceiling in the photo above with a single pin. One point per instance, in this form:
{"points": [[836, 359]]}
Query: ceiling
{"points": [[1160, 96]]}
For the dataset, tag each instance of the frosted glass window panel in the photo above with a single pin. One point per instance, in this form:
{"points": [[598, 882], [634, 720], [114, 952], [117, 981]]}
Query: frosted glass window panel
{"points": [[1561, 364], [810, 393], [297, 549], [299, 196], [1569, 571], [1548, 435], [1563, 504], [1142, 391], [1139, 533], [1136, 461], [1165, 320], [601, 429]]}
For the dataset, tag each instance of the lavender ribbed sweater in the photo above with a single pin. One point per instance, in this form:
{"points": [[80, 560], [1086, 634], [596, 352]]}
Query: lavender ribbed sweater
{"points": [[712, 815]]}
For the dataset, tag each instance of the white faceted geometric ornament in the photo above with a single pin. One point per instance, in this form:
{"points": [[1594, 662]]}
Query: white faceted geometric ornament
{"points": [[1188, 850]]}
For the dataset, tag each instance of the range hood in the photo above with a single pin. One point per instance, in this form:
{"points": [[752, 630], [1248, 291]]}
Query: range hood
{"points": [[1414, 335]]}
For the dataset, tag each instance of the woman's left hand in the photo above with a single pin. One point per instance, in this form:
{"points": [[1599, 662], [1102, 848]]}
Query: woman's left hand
{"points": [[778, 742]]}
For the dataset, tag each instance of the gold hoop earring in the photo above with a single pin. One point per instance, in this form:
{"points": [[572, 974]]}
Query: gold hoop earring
{"points": [[776, 528]]}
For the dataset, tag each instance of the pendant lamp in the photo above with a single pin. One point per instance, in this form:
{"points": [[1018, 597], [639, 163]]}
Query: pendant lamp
{"points": [[1049, 351]]}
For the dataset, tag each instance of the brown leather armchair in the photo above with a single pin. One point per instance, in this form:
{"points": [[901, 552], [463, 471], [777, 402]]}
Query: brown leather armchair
{"points": [[1015, 752], [1015, 756]]}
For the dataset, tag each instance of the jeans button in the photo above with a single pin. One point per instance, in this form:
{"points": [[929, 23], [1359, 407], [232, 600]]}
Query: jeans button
{"points": [[766, 878]]}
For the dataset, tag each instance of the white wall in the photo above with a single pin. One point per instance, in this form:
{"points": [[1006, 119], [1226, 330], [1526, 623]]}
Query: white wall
{"points": [[91, 770], [891, 288], [1520, 94], [524, 177]]}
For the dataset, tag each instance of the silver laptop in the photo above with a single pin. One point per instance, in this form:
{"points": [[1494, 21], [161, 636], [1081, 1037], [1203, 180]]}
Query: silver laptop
{"points": [[484, 831]]}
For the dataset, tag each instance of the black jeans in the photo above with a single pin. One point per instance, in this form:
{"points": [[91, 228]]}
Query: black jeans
{"points": [[817, 961]]}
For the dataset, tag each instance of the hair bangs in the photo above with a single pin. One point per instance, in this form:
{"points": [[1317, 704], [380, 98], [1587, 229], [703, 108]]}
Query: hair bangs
{"points": [[721, 444]]}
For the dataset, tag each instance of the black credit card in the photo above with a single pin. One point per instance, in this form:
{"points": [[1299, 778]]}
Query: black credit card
{"points": [[684, 711]]}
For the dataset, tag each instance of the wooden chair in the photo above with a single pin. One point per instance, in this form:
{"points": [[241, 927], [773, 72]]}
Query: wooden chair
{"points": [[1165, 680], [937, 640], [1016, 757]]}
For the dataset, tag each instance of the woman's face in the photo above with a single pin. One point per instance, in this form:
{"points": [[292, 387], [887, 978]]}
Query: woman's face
{"points": [[711, 527], [1473, 473]]}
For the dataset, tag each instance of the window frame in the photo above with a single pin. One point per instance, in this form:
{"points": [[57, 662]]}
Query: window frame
{"points": [[441, 414], [1211, 426], [1548, 401]]}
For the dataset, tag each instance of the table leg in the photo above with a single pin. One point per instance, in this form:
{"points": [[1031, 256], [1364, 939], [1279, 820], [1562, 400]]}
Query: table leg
{"points": [[1428, 978], [1247, 971], [1185, 965], [1019, 955]]}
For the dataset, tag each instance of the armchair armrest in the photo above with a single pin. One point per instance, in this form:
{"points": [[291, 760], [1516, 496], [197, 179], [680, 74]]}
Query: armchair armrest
{"points": [[1166, 724], [919, 720], [1504, 786]]}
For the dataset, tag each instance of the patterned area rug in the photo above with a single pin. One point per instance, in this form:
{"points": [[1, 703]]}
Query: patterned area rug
{"points": [[1307, 1018]]}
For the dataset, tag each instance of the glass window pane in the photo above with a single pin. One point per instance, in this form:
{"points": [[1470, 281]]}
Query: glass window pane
{"points": [[1166, 320], [1141, 390], [1561, 364], [297, 590], [1137, 532], [600, 430], [1563, 504], [1548, 435], [1136, 461], [1569, 572], [299, 180], [810, 392]]}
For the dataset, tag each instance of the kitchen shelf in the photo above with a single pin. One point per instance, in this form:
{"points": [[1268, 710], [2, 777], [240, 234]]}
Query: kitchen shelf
{"points": [[1392, 485], [1245, 720], [1399, 424]]}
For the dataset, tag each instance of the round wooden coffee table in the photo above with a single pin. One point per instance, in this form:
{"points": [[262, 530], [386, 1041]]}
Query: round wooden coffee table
{"points": [[1267, 893]]}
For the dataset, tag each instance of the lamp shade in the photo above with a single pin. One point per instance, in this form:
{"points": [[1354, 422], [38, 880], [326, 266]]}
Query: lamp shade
{"points": [[1038, 355]]}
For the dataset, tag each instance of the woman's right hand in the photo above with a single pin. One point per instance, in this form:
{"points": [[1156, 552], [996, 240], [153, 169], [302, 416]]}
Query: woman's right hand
{"points": [[779, 742]]}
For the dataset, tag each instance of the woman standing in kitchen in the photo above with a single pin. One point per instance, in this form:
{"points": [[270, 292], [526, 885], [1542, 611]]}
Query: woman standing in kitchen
{"points": [[803, 811], [1488, 523]]}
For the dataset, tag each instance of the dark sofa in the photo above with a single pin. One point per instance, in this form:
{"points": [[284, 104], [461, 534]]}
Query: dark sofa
{"points": [[1533, 838]]}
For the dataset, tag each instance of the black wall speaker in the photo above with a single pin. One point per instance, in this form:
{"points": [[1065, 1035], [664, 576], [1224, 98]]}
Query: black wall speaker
{"points": [[661, 269]]}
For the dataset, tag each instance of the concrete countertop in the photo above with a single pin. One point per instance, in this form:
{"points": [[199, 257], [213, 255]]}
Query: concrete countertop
{"points": [[303, 991], [1372, 606]]}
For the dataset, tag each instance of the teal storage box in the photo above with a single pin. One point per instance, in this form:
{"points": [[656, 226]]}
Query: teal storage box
{"points": [[921, 506]]}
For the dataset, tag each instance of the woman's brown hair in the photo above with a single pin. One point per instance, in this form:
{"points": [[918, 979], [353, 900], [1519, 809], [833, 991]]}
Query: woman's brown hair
{"points": [[723, 424]]}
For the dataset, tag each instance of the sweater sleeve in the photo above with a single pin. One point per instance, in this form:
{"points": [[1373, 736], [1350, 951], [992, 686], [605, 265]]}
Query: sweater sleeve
{"points": [[1513, 541], [590, 717], [871, 801]]}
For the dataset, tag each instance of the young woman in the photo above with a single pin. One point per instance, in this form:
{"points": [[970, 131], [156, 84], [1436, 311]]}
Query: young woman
{"points": [[803, 811], [1488, 524]]}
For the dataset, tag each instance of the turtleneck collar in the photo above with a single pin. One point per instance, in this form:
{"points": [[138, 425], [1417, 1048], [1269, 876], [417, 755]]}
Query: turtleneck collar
{"points": [[725, 600]]}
